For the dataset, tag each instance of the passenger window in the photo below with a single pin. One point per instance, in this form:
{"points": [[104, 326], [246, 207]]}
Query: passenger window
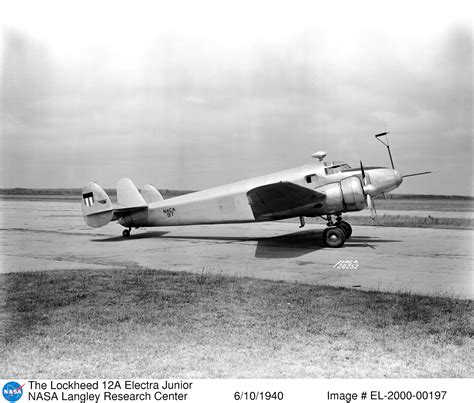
{"points": [[310, 178]]}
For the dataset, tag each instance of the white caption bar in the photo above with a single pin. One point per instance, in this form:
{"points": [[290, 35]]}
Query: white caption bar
{"points": [[237, 390]]}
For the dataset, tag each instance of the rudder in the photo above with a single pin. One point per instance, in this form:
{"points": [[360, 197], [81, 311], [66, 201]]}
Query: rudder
{"points": [[151, 194]]}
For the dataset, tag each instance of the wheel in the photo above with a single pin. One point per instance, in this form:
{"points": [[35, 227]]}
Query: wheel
{"points": [[346, 227], [334, 237], [126, 233]]}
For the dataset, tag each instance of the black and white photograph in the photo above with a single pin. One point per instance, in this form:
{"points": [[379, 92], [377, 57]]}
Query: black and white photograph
{"points": [[215, 190]]}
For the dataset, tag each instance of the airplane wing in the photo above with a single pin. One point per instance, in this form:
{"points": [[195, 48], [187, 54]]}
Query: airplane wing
{"points": [[282, 199]]}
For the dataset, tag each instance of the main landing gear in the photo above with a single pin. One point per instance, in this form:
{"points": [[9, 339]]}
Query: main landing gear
{"points": [[126, 232], [336, 234]]}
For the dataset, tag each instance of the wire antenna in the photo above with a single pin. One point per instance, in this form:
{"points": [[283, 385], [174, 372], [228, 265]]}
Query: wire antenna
{"points": [[377, 136]]}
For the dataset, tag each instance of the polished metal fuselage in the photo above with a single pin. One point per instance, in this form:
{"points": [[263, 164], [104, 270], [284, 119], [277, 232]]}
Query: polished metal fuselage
{"points": [[230, 204]]}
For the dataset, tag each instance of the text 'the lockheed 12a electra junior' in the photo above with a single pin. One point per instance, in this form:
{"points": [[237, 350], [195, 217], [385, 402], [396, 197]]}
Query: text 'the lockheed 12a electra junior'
{"points": [[322, 189]]}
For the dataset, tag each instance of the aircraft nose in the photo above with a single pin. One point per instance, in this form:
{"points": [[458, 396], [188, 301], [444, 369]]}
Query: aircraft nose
{"points": [[398, 177]]}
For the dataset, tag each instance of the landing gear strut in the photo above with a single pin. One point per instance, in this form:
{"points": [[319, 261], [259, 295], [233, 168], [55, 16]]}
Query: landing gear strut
{"points": [[345, 226], [336, 234], [126, 233]]}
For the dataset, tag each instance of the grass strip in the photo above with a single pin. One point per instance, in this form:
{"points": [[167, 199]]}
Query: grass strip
{"points": [[158, 324], [384, 220]]}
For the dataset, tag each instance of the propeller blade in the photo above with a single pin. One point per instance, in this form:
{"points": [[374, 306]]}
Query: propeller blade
{"points": [[371, 206], [367, 188], [362, 170], [365, 178]]}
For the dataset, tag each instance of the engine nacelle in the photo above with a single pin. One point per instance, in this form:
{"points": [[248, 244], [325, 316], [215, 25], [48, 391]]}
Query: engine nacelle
{"points": [[353, 194], [346, 195]]}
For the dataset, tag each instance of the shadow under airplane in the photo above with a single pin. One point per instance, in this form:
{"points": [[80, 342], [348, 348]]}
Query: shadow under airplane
{"points": [[280, 247]]}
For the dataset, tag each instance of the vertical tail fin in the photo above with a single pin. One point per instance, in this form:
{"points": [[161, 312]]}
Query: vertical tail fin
{"points": [[128, 195], [151, 194], [96, 206]]}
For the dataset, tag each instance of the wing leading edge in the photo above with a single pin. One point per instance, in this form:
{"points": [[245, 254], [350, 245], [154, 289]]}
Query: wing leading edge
{"points": [[282, 200]]}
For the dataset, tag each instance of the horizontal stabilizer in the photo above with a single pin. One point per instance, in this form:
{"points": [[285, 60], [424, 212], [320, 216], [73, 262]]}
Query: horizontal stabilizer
{"points": [[151, 194], [96, 206], [128, 195], [124, 211]]}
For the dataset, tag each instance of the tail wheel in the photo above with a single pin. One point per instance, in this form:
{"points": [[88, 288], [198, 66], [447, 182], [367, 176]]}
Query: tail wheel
{"points": [[334, 237], [126, 233], [346, 228]]}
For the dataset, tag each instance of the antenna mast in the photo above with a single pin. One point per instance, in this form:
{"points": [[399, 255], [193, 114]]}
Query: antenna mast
{"points": [[377, 136]]}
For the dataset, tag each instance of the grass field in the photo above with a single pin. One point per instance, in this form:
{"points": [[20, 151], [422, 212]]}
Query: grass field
{"points": [[156, 324], [425, 204]]}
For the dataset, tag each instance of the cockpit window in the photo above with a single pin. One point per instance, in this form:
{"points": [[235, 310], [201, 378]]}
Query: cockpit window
{"points": [[331, 163], [336, 167]]}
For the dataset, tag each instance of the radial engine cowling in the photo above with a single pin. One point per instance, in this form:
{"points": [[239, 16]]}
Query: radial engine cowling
{"points": [[346, 195]]}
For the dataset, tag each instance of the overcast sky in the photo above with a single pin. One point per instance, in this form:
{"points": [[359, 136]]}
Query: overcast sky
{"points": [[189, 95]]}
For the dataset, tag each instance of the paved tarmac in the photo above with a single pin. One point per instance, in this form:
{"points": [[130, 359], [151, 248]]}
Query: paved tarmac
{"points": [[47, 235]]}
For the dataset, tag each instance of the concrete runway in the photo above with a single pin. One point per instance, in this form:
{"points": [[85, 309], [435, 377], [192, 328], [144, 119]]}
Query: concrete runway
{"points": [[50, 235]]}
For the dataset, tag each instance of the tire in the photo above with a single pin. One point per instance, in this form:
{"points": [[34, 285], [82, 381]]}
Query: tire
{"points": [[126, 233], [346, 227], [334, 237]]}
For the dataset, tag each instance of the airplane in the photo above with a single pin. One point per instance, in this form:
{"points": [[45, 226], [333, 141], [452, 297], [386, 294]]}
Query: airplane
{"points": [[325, 188]]}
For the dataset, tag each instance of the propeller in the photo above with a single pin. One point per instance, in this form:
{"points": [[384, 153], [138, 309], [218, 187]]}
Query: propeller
{"points": [[371, 206], [367, 188]]}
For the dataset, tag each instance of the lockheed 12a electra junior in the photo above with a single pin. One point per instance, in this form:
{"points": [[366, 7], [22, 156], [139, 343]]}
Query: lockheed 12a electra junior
{"points": [[323, 189]]}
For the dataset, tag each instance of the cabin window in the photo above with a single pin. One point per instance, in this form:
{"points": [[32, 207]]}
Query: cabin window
{"points": [[310, 178]]}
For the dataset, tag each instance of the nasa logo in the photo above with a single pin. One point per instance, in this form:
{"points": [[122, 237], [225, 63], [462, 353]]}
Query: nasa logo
{"points": [[12, 391]]}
